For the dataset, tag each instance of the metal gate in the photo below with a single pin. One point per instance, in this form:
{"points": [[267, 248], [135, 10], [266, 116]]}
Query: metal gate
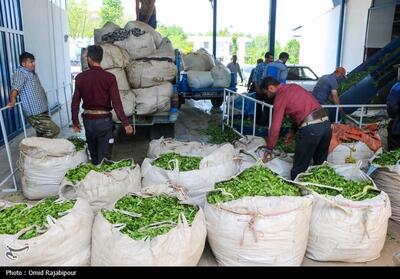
{"points": [[11, 46]]}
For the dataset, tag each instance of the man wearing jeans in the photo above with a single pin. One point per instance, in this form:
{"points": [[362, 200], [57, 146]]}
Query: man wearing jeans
{"points": [[146, 12], [26, 84], [310, 121], [99, 91]]}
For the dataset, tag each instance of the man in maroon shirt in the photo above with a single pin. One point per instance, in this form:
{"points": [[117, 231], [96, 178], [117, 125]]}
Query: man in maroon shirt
{"points": [[98, 89], [310, 121]]}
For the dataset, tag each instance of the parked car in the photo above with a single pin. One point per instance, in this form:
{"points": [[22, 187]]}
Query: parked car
{"points": [[303, 76]]}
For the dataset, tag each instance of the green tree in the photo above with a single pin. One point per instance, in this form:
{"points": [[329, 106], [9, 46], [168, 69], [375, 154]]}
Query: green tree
{"points": [[235, 46], [111, 10], [293, 48], [80, 23], [256, 49], [177, 36]]}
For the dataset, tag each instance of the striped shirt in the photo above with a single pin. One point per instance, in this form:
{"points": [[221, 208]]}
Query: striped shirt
{"points": [[30, 90]]}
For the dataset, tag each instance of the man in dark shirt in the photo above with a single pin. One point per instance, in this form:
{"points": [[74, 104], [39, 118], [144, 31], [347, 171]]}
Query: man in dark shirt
{"points": [[310, 121], [98, 89], [393, 109]]}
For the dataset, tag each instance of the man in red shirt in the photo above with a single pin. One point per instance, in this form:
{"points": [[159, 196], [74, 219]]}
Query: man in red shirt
{"points": [[310, 121], [98, 89]]}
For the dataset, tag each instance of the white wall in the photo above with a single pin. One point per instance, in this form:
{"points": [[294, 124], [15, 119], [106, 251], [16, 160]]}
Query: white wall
{"points": [[355, 27], [45, 25]]}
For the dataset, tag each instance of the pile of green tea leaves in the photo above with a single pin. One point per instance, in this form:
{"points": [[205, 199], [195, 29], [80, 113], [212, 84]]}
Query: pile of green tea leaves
{"points": [[78, 142], [15, 218], [219, 136], [327, 176], [148, 217], [79, 173], [388, 158], [167, 161], [254, 181]]}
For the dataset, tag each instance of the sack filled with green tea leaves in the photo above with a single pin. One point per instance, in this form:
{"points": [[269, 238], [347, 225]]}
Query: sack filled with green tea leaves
{"points": [[44, 162], [144, 229], [102, 184], [258, 218], [196, 175], [385, 169], [53, 232], [348, 207]]}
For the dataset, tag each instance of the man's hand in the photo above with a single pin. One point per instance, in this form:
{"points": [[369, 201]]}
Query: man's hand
{"points": [[268, 156], [289, 138], [11, 104], [129, 130], [76, 128]]}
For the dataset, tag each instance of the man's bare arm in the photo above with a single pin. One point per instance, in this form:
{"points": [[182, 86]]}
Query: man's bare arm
{"points": [[13, 98]]}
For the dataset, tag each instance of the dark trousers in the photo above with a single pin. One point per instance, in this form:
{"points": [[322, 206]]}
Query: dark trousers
{"points": [[393, 140], [312, 143], [100, 138], [152, 21]]}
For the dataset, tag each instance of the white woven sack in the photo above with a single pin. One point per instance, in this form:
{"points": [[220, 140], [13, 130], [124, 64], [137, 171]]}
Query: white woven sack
{"points": [[122, 80], [259, 230], [102, 189], [358, 150], [153, 99], [43, 164], [157, 38], [128, 104], [387, 179], [66, 242], [221, 76], [249, 143], [181, 246], [138, 47], [218, 166], [165, 50], [199, 79], [200, 60], [151, 73], [345, 230], [192, 148], [107, 28]]}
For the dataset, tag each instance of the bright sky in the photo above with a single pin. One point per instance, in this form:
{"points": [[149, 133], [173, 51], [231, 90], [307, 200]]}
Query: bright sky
{"points": [[248, 16]]}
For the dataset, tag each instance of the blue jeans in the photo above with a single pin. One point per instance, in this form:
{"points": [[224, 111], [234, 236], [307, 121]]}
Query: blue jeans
{"points": [[152, 21], [312, 143]]}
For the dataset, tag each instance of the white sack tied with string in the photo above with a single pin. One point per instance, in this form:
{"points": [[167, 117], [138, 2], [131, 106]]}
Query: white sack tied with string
{"points": [[44, 162], [345, 230], [67, 241], [183, 245], [218, 166]]}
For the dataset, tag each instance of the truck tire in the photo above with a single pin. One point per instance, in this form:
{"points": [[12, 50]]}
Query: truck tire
{"points": [[162, 130], [217, 102]]}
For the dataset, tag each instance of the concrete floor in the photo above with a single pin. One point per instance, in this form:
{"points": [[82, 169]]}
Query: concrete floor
{"points": [[194, 116]]}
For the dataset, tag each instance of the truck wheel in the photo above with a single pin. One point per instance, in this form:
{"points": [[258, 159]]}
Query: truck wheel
{"points": [[217, 102], [162, 130]]}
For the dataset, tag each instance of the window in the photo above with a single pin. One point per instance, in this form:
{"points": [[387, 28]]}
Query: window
{"points": [[294, 73], [307, 74]]}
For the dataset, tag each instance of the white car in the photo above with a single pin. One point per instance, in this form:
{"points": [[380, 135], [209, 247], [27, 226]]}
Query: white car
{"points": [[303, 76]]}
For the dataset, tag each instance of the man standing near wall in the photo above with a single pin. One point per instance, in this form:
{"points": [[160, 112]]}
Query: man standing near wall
{"points": [[26, 84], [146, 12], [98, 89], [234, 67]]}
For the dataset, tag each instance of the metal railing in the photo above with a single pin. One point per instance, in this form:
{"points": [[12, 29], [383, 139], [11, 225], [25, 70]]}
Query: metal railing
{"points": [[231, 112], [8, 151], [66, 100], [228, 111]]}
